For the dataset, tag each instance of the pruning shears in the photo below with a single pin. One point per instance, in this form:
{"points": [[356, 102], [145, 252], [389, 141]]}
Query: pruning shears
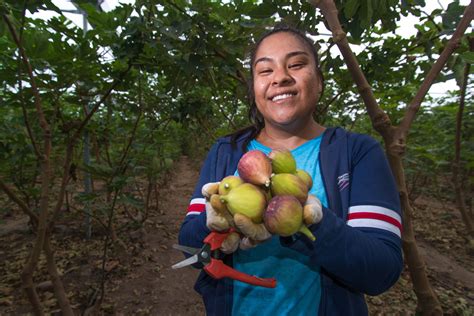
{"points": [[208, 255]]}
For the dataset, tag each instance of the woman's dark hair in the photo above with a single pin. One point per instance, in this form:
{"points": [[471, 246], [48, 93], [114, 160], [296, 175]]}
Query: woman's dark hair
{"points": [[254, 114]]}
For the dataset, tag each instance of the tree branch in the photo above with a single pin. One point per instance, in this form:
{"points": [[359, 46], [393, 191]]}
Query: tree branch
{"points": [[84, 122], [44, 124], [453, 43], [380, 120], [19, 202]]}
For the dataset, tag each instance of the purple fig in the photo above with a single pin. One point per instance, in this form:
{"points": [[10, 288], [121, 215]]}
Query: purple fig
{"points": [[255, 167], [284, 216]]}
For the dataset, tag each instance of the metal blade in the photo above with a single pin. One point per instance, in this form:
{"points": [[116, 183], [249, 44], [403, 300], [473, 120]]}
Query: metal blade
{"points": [[186, 249], [186, 262]]}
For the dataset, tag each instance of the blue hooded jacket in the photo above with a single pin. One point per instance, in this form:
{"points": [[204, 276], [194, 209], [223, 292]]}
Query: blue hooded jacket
{"points": [[358, 241]]}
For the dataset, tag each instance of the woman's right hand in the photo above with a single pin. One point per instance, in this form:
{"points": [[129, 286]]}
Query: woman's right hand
{"points": [[218, 219]]}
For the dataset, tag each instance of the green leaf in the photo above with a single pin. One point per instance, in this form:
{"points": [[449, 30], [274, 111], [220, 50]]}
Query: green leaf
{"points": [[452, 16], [264, 10], [468, 57], [365, 14], [350, 8]]}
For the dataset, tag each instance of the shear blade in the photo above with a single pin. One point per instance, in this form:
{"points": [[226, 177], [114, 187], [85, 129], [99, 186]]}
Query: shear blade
{"points": [[186, 262], [188, 250]]}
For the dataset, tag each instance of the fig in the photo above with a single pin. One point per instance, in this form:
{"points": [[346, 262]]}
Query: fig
{"points": [[255, 167], [246, 199], [228, 183], [282, 161], [289, 184], [284, 216], [306, 177]]}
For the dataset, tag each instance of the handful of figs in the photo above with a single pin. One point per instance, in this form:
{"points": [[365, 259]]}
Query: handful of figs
{"points": [[269, 189]]}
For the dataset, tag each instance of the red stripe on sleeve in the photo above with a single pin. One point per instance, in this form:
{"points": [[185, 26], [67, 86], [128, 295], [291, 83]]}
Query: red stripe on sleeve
{"points": [[370, 215], [196, 207]]}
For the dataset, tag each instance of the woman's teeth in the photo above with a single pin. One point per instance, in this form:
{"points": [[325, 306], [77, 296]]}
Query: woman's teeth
{"points": [[282, 96]]}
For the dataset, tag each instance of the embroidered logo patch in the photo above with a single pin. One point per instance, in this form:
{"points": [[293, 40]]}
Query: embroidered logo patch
{"points": [[343, 181]]}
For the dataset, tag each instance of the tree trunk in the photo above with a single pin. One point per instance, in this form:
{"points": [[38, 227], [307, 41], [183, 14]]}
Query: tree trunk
{"points": [[428, 303], [457, 182], [58, 286]]}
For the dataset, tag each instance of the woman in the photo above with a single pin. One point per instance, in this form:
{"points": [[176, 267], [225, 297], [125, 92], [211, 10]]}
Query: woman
{"points": [[357, 249]]}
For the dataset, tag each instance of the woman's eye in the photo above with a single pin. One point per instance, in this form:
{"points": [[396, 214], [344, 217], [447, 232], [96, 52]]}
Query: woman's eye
{"points": [[264, 71], [296, 66]]}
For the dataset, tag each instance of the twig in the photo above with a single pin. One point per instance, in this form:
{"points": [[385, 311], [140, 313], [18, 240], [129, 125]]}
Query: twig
{"points": [[19, 202], [452, 44]]}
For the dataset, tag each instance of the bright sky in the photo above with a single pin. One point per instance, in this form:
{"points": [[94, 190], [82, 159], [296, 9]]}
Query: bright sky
{"points": [[406, 27]]}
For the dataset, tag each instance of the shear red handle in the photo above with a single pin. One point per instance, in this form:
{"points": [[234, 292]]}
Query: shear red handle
{"points": [[218, 270]]}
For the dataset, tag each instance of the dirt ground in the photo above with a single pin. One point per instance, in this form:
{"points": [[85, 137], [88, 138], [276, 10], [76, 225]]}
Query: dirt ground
{"points": [[141, 282]]}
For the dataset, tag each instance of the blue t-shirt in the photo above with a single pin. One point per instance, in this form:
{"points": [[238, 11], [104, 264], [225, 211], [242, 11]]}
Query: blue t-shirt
{"points": [[298, 290]]}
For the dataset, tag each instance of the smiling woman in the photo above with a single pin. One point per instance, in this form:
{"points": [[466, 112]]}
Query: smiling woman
{"points": [[357, 249], [287, 87]]}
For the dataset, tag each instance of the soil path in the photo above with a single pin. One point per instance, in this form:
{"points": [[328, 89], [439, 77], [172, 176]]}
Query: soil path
{"points": [[448, 269], [152, 287]]}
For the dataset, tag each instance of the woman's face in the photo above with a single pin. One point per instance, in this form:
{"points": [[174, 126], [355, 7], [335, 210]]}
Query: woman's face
{"points": [[286, 84]]}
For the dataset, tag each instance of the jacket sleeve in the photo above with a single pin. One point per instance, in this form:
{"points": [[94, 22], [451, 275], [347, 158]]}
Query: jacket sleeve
{"points": [[363, 251], [193, 229]]}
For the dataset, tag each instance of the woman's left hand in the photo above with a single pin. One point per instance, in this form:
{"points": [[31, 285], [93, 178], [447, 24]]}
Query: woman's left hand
{"points": [[312, 210]]}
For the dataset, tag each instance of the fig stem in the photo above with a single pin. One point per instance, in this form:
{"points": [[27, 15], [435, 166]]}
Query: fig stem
{"points": [[303, 229]]}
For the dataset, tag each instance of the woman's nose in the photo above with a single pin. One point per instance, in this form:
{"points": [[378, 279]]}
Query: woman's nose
{"points": [[281, 76]]}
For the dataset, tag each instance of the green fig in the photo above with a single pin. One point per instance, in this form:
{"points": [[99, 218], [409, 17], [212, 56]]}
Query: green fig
{"points": [[306, 177], [282, 161], [228, 183], [284, 216], [255, 167], [289, 184], [246, 199]]}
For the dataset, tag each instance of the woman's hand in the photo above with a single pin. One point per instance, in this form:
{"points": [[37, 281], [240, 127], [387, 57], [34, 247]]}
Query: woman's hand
{"points": [[254, 234], [219, 220], [312, 210]]}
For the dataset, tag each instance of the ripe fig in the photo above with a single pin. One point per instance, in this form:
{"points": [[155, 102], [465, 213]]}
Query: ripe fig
{"points": [[282, 161], [246, 199], [284, 216], [255, 167], [306, 177], [228, 183], [289, 184]]}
